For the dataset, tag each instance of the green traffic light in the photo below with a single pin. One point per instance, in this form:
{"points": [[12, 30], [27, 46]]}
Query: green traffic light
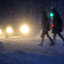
{"points": [[51, 14]]}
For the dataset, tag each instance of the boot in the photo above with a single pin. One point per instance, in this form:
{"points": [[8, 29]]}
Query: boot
{"points": [[40, 44], [51, 44]]}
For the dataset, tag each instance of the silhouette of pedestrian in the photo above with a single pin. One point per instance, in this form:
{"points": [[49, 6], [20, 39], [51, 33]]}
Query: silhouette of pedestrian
{"points": [[57, 22], [45, 27]]}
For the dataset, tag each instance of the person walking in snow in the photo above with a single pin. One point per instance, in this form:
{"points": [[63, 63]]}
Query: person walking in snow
{"points": [[57, 22], [45, 27]]}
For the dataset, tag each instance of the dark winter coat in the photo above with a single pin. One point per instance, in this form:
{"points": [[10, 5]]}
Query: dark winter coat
{"points": [[45, 23], [57, 21]]}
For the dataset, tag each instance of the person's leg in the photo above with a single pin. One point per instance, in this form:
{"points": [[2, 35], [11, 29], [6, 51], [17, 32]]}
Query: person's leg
{"points": [[61, 37], [54, 37], [52, 43], [42, 40]]}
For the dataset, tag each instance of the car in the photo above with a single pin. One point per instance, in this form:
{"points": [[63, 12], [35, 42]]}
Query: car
{"points": [[13, 30], [23, 29]]}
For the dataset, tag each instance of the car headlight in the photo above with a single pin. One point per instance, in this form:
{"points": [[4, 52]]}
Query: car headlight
{"points": [[24, 29], [9, 30], [0, 31]]}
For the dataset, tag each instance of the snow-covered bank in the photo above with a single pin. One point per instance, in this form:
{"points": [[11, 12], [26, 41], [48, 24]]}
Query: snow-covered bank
{"points": [[21, 57]]}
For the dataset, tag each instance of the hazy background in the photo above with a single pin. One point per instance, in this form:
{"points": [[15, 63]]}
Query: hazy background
{"points": [[18, 11]]}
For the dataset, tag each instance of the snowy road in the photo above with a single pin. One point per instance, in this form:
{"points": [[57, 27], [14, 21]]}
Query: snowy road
{"points": [[30, 45]]}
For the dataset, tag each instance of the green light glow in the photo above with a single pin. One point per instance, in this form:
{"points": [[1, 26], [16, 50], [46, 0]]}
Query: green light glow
{"points": [[51, 14]]}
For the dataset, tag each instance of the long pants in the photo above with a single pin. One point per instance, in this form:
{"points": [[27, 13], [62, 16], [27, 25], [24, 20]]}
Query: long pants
{"points": [[59, 36], [47, 36]]}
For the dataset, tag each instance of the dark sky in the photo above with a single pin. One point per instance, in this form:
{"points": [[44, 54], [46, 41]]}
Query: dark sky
{"points": [[16, 10]]}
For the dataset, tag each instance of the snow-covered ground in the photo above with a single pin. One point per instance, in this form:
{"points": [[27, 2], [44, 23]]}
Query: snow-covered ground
{"points": [[21, 57], [18, 50]]}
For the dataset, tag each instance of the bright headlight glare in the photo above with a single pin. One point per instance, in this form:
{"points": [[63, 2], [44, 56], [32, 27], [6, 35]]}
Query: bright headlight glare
{"points": [[0, 31], [9, 30], [24, 29]]}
